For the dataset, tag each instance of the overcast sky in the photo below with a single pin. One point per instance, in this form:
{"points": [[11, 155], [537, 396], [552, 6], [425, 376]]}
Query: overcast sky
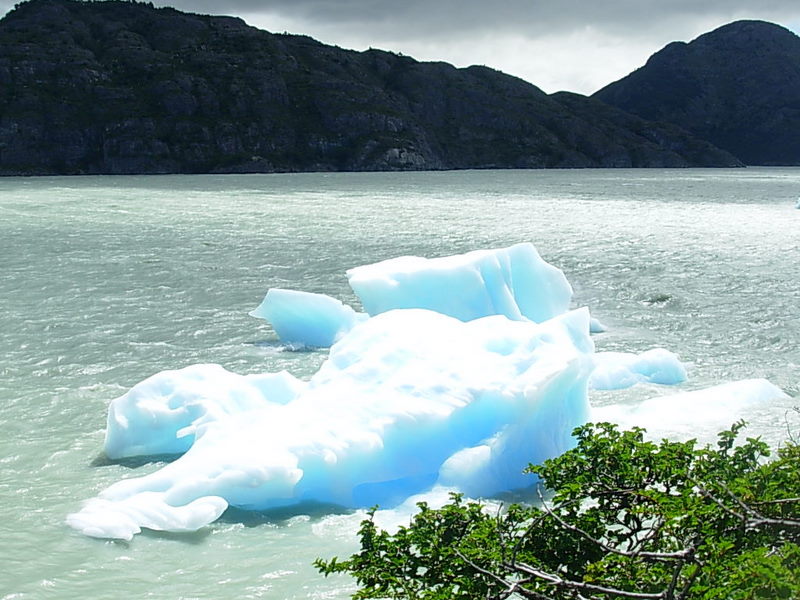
{"points": [[575, 45]]}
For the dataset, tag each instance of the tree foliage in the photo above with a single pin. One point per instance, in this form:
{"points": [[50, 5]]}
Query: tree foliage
{"points": [[624, 518]]}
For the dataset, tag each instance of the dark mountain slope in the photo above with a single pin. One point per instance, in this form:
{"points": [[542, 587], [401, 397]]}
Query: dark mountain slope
{"points": [[122, 87], [737, 87]]}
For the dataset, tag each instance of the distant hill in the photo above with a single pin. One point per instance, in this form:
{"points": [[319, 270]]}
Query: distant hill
{"points": [[737, 87], [123, 87]]}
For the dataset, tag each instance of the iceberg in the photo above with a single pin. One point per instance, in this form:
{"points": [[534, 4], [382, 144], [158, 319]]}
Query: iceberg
{"points": [[307, 319], [620, 370], [685, 414], [464, 370], [596, 326], [163, 413], [515, 282], [408, 400]]}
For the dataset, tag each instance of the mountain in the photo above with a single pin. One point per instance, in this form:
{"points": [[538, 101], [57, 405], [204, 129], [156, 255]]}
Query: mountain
{"points": [[123, 87], [737, 87]]}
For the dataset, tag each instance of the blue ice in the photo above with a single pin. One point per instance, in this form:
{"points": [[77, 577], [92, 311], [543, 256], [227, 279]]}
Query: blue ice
{"points": [[619, 370], [306, 319], [408, 399], [469, 368], [515, 282]]}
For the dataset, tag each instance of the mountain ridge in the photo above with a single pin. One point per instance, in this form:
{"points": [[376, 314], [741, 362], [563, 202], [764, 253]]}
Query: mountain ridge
{"points": [[737, 87], [124, 87]]}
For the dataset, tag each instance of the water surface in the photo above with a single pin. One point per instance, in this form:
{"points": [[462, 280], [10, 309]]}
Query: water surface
{"points": [[107, 280]]}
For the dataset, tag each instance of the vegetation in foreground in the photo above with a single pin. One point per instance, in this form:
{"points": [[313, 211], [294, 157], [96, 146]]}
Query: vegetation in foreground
{"points": [[624, 518]]}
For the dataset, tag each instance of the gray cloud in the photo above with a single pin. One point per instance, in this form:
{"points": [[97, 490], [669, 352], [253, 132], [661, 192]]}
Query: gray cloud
{"points": [[531, 17]]}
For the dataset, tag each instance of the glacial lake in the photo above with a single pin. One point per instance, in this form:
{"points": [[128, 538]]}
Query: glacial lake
{"points": [[108, 280]]}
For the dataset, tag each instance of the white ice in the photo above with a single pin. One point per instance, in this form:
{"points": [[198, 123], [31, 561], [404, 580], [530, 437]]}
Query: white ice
{"points": [[695, 414], [407, 400]]}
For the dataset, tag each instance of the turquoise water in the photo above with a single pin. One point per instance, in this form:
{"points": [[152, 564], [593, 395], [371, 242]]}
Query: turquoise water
{"points": [[107, 280]]}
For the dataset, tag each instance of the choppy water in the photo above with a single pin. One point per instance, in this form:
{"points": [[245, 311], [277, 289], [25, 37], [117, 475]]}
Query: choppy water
{"points": [[107, 280]]}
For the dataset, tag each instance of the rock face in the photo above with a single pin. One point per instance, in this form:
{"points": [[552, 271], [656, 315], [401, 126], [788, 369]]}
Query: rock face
{"points": [[737, 87], [123, 87]]}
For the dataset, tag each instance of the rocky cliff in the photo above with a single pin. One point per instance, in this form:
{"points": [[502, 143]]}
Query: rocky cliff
{"points": [[123, 87], [737, 87]]}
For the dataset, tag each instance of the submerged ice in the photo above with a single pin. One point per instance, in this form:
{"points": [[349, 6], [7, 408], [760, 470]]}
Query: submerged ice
{"points": [[464, 370]]}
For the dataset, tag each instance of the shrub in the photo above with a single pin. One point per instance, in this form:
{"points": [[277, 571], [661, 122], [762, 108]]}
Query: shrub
{"points": [[624, 518]]}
